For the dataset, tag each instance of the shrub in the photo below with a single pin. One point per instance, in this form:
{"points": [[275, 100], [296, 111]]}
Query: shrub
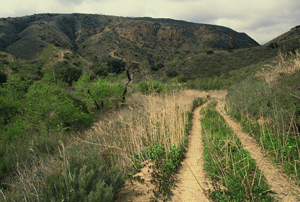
{"points": [[116, 66], [209, 52], [102, 90], [3, 78], [172, 73], [67, 74], [157, 67], [273, 45], [50, 107], [151, 87], [86, 177], [100, 69]]}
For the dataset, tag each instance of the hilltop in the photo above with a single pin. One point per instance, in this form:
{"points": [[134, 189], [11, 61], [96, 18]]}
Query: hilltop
{"points": [[95, 35]]}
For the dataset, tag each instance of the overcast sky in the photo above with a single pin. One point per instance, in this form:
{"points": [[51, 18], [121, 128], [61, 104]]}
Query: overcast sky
{"points": [[262, 20]]}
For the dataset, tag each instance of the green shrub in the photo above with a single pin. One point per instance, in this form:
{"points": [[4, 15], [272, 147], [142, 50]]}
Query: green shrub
{"points": [[172, 73], [49, 107], [63, 71], [198, 102], [157, 67], [100, 69], [253, 96], [104, 90], [3, 78], [151, 87], [86, 177]]}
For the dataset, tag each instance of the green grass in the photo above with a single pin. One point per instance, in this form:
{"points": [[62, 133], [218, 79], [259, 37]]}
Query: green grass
{"points": [[233, 172]]}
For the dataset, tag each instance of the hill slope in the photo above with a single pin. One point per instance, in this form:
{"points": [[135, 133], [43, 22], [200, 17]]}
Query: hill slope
{"points": [[98, 35]]}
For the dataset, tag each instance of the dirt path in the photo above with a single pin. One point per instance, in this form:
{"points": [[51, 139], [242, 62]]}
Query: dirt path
{"points": [[193, 185], [138, 192], [279, 183]]}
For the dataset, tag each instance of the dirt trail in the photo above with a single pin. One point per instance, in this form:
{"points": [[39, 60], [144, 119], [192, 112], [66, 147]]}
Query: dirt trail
{"points": [[279, 183], [138, 192], [193, 184]]}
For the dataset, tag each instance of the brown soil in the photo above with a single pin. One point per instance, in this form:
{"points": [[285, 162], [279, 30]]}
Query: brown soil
{"points": [[136, 191], [194, 185], [285, 188]]}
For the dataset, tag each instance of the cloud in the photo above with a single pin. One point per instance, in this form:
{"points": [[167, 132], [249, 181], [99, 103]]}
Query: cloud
{"points": [[262, 20]]}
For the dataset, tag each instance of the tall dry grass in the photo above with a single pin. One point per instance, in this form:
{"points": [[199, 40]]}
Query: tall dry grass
{"points": [[285, 65], [121, 133], [147, 120]]}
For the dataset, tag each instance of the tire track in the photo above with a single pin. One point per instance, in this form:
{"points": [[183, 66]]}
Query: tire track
{"points": [[193, 183], [285, 189]]}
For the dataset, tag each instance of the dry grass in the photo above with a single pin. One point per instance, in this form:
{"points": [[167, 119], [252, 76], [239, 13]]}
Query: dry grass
{"points": [[148, 119], [271, 73]]}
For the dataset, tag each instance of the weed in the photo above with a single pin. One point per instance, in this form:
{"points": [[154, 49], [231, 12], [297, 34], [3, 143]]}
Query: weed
{"points": [[233, 172]]}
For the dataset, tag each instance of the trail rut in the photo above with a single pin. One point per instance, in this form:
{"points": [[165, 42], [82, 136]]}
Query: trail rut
{"points": [[193, 184], [284, 187]]}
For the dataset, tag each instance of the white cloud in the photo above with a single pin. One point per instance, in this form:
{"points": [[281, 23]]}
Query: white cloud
{"points": [[262, 20]]}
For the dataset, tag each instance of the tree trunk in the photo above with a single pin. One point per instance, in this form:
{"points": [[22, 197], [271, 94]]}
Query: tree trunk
{"points": [[98, 108], [125, 87]]}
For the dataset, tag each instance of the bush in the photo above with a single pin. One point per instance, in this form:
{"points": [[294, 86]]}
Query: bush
{"points": [[100, 69], [273, 45], [172, 73], [157, 67], [151, 87], [108, 92], [209, 52], [86, 177], [66, 73], [251, 96], [116, 66], [3, 78], [50, 107]]}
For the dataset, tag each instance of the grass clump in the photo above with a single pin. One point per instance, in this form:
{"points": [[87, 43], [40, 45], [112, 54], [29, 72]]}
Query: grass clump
{"points": [[233, 172], [267, 105], [84, 176]]}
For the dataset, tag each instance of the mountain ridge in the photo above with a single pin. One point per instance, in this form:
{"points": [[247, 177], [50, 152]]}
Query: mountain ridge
{"points": [[95, 35]]}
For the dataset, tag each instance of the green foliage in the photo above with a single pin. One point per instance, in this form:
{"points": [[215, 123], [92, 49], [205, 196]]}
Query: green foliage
{"points": [[198, 102], [252, 96], [3, 78], [63, 71], [116, 66], [151, 87], [100, 69], [228, 164], [157, 67], [85, 177], [9, 106], [167, 163], [51, 108], [172, 73], [17, 85], [103, 90]]}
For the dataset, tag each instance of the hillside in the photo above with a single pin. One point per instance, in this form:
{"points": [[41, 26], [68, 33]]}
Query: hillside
{"points": [[99, 35], [288, 40], [76, 125]]}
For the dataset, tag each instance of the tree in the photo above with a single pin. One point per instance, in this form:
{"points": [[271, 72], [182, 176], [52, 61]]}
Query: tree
{"points": [[116, 66], [100, 69]]}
